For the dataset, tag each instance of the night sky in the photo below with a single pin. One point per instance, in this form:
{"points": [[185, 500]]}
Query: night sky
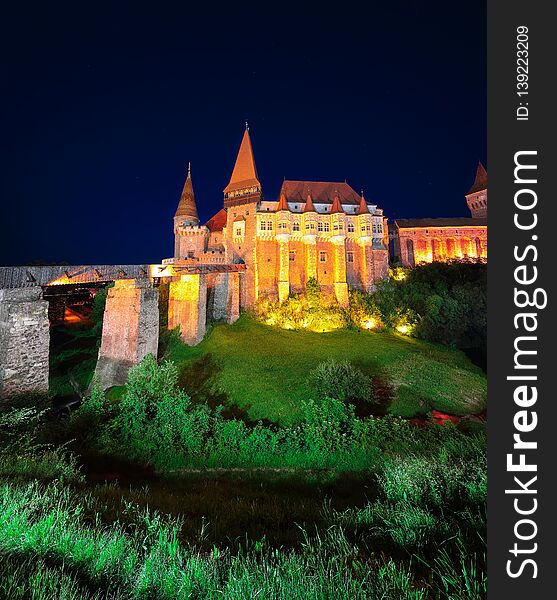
{"points": [[102, 109]]}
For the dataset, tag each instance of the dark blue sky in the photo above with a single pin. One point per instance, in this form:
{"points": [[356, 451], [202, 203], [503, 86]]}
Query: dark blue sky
{"points": [[102, 108]]}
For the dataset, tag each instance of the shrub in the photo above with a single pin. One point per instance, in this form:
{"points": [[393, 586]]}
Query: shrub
{"points": [[340, 380], [363, 311]]}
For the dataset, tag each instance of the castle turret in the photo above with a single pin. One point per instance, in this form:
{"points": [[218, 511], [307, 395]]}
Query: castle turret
{"points": [[190, 240], [476, 198], [186, 213], [244, 186]]}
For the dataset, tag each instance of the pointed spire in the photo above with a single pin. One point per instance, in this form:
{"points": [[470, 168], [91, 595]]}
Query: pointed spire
{"points": [[363, 209], [480, 182], [187, 208], [244, 174], [336, 206], [309, 205], [283, 204]]}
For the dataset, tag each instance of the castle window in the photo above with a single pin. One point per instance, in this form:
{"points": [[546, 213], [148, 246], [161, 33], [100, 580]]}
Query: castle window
{"points": [[327, 227], [238, 232], [374, 228], [335, 226], [350, 256], [363, 227], [320, 226], [283, 225], [296, 226], [292, 256], [322, 257], [270, 225], [312, 226], [368, 228], [350, 227], [263, 226], [307, 225], [380, 227]]}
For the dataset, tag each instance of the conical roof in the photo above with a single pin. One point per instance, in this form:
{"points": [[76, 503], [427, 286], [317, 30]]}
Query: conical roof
{"points": [[283, 204], [187, 207], [363, 209], [480, 182], [309, 207], [244, 174], [336, 206]]}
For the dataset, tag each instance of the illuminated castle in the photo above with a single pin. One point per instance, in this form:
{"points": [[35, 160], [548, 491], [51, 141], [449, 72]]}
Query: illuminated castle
{"points": [[316, 229], [415, 241]]}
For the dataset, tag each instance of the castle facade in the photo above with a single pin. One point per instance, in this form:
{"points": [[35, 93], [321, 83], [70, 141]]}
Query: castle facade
{"points": [[316, 229], [415, 241]]}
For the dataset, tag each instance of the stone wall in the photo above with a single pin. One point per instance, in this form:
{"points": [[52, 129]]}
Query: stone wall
{"points": [[24, 341], [187, 307], [130, 329]]}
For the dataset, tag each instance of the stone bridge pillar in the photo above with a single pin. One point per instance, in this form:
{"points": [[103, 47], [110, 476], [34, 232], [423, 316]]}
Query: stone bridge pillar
{"points": [[24, 341], [226, 303], [130, 329], [187, 307]]}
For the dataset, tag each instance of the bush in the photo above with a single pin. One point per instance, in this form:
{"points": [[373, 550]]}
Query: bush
{"points": [[340, 380]]}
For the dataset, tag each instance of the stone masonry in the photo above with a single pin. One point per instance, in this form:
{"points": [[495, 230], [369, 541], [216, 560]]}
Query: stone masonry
{"points": [[24, 341], [226, 297], [187, 307], [130, 329]]}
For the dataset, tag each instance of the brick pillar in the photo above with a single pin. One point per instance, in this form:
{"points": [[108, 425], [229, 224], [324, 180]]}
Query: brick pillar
{"points": [[310, 242], [368, 275], [226, 303], [24, 341], [233, 298], [339, 271], [284, 268], [380, 257], [187, 307], [130, 329]]}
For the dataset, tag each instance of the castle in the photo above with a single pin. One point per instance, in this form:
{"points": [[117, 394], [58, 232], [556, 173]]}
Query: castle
{"points": [[316, 229], [415, 241]]}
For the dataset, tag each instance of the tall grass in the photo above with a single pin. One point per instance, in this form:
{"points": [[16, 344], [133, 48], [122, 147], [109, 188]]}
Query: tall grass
{"points": [[149, 562]]}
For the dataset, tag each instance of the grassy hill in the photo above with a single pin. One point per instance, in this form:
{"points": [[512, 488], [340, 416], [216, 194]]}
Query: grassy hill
{"points": [[264, 370]]}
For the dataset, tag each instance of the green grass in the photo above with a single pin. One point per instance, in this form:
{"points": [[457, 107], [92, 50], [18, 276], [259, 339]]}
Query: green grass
{"points": [[265, 370]]}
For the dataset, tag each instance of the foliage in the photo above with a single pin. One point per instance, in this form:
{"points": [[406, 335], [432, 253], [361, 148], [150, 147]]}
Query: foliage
{"points": [[363, 311], [302, 312], [23, 455], [450, 299], [148, 560], [340, 380], [264, 370]]}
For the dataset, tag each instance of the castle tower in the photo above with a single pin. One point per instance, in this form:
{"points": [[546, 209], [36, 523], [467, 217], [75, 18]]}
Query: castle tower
{"points": [[190, 240], [241, 198], [244, 186], [476, 198]]}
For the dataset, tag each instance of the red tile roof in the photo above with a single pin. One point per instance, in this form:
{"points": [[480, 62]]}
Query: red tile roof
{"points": [[309, 205], [363, 210], [282, 205], [336, 207], [244, 174], [322, 192], [217, 222]]}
